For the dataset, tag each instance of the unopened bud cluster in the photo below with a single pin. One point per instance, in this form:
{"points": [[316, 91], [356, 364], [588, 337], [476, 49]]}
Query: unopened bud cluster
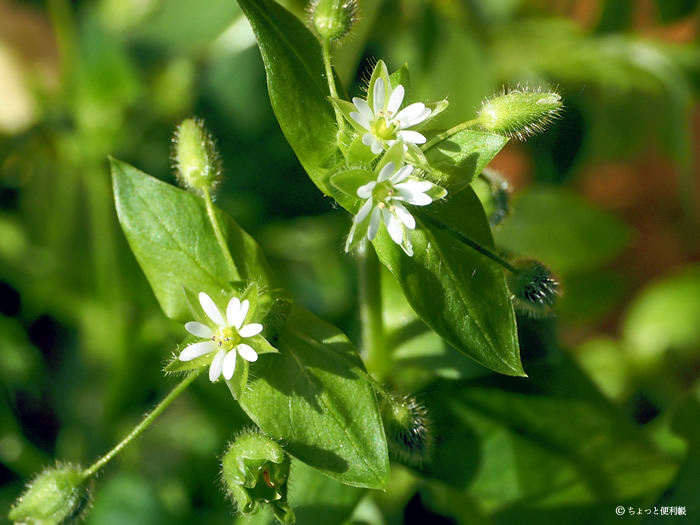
{"points": [[195, 158], [520, 113], [255, 470], [332, 20], [57, 495], [534, 288], [408, 430]]}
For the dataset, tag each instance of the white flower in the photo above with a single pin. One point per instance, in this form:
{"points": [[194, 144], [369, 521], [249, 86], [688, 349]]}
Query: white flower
{"points": [[225, 339], [384, 201], [383, 124]]}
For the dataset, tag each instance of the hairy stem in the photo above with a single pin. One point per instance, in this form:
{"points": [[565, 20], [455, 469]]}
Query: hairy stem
{"points": [[378, 358], [326, 50], [211, 213], [145, 423], [448, 133]]}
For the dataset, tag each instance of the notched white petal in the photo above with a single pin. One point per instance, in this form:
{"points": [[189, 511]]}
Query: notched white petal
{"points": [[395, 99], [216, 366], [229, 366], [379, 94], [364, 211], [393, 225], [377, 145], [412, 136], [247, 352], [250, 330], [401, 174], [233, 310], [404, 215], [386, 171], [363, 108], [365, 191], [199, 329], [374, 221], [410, 195], [211, 309], [245, 305], [360, 119], [196, 350]]}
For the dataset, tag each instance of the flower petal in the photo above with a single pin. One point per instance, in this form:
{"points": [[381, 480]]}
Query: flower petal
{"points": [[377, 145], [233, 310], [395, 100], [364, 211], [412, 193], [367, 139], [374, 221], [250, 330], [386, 172], [229, 365], [379, 95], [365, 191], [199, 329], [196, 350], [363, 108], [216, 366], [393, 225], [411, 136], [412, 115], [404, 215], [247, 352], [245, 305], [360, 119], [401, 174], [211, 309]]}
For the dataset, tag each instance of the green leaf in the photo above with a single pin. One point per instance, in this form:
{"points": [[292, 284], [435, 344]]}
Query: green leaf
{"points": [[549, 449], [457, 291], [457, 160], [314, 396], [297, 85], [562, 229], [170, 234]]}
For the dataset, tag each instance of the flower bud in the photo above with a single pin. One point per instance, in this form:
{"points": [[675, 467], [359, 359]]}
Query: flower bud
{"points": [[255, 470], [408, 430], [195, 158], [520, 113], [533, 287], [332, 20], [494, 192], [57, 495]]}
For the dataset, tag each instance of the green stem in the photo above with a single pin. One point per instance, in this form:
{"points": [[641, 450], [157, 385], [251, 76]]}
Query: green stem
{"points": [[448, 133], [326, 50], [211, 212], [145, 423], [471, 243], [370, 283]]}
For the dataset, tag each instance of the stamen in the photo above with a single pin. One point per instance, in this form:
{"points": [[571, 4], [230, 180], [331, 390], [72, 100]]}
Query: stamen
{"points": [[266, 477]]}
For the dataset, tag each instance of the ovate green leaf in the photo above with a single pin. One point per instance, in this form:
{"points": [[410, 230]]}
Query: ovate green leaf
{"points": [[171, 236], [314, 397], [458, 292]]}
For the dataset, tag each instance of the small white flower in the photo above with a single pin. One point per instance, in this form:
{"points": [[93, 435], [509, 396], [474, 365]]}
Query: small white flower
{"points": [[384, 201], [225, 339], [383, 124]]}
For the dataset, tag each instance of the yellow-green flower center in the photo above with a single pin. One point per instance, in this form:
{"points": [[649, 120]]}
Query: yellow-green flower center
{"points": [[383, 129], [226, 338], [382, 191]]}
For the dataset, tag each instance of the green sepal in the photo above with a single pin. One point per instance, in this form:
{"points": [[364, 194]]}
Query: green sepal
{"points": [[359, 152], [276, 305], [379, 71], [346, 108], [349, 181], [238, 382], [394, 154], [176, 366], [401, 76], [436, 107]]}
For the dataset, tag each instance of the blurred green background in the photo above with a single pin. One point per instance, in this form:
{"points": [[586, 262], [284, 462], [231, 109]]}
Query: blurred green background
{"points": [[608, 198]]}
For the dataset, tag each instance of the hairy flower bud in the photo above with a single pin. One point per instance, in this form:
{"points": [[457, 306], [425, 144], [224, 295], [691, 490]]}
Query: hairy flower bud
{"points": [[332, 20], [408, 430], [195, 158], [57, 495], [494, 192], [255, 470], [534, 288], [520, 113]]}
